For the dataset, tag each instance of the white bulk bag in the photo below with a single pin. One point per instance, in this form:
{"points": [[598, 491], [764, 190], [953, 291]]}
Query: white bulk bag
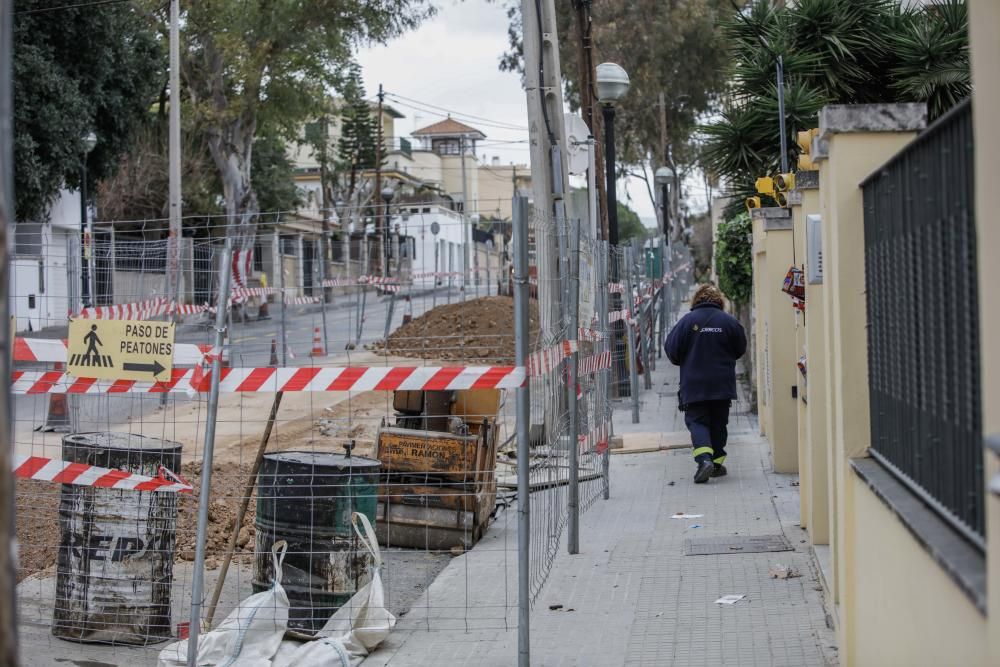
{"points": [[249, 636], [356, 628]]}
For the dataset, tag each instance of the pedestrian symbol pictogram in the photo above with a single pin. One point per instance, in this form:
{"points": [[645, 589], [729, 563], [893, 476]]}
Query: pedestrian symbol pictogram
{"points": [[120, 349], [93, 355]]}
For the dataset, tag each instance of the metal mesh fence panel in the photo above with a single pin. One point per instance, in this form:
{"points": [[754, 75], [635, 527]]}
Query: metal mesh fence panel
{"points": [[343, 387]]}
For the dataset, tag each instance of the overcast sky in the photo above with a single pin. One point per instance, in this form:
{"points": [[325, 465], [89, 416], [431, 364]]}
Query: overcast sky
{"points": [[451, 62]]}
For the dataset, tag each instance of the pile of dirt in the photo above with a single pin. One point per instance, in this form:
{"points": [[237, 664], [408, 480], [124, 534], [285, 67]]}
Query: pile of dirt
{"points": [[229, 480], [479, 330], [37, 520]]}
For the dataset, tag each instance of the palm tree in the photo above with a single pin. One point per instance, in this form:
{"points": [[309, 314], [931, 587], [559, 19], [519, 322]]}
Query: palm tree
{"points": [[833, 52]]}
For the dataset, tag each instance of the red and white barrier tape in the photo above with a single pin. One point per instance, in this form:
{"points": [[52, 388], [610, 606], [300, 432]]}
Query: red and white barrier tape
{"points": [[243, 292], [545, 361], [617, 315], [437, 274], [52, 350], [189, 309], [81, 474], [301, 300], [244, 380], [124, 311], [591, 335], [138, 311], [594, 363]]}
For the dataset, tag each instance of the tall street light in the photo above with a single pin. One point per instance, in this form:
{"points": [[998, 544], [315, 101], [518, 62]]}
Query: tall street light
{"points": [[387, 194], [663, 177], [86, 228], [612, 85]]}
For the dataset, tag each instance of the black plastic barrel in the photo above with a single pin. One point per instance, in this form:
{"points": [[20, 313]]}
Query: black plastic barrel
{"points": [[306, 499], [116, 548]]}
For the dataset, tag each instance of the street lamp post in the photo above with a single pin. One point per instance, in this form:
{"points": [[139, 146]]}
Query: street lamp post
{"points": [[663, 177], [387, 194], [612, 85], [86, 228]]}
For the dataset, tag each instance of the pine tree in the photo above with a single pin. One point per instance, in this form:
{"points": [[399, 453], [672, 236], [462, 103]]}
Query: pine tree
{"points": [[357, 147]]}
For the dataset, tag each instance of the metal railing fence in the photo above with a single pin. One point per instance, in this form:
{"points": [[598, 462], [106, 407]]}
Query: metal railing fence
{"points": [[923, 329]]}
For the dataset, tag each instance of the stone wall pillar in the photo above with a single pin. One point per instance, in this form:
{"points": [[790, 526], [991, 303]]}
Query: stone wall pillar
{"points": [[860, 138]]}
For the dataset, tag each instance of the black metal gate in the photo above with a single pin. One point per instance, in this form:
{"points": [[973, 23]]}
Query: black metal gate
{"points": [[923, 324]]}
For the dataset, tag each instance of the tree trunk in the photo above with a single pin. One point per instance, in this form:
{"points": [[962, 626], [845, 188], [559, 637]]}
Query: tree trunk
{"points": [[231, 146]]}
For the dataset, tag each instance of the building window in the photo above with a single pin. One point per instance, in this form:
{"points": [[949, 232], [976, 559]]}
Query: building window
{"points": [[258, 257], [446, 146]]}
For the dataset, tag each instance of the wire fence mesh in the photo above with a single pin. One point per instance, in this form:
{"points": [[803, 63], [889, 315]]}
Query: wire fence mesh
{"points": [[376, 384]]}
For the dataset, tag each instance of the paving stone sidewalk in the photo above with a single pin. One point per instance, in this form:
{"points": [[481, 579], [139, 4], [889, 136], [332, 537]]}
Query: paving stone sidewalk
{"points": [[631, 597]]}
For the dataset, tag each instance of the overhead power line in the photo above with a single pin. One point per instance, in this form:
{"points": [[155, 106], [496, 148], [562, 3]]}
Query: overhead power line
{"points": [[80, 5], [433, 108]]}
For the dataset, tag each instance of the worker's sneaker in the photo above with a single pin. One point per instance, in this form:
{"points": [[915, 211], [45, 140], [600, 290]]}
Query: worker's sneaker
{"points": [[720, 470], [705, 469]]}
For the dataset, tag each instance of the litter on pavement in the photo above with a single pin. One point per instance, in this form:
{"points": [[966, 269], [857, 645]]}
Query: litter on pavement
{"points": [[682, 515], [779, 571], [729, 599]]}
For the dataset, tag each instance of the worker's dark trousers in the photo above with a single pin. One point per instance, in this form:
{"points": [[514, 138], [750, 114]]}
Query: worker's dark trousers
{"points": [[707, 421]]}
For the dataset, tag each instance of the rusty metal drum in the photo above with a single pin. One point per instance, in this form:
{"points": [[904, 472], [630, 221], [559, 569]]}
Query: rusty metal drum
{"points": [[116, 549], [306, 499]]}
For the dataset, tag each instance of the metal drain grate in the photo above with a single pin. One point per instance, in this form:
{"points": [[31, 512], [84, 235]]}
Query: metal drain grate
{"points": [[736, 544]]}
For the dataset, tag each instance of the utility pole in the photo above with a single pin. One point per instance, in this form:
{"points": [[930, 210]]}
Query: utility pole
{"points": [[8, 541], [585, 61], [466, 221], [543, 86], [380, 221], [174, 173]]}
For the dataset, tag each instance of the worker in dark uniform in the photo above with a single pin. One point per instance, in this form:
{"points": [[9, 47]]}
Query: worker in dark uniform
{"points": [[706, 343]]}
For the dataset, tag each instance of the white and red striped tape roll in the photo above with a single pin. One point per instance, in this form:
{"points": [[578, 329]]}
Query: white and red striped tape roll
{"points": [[591, 335], [243, 380], [545, 361], [51, 350], [594, 363], [81, 474], [616, 288]]}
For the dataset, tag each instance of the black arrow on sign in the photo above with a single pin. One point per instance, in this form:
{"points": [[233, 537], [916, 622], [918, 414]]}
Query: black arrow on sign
{"points": [[155, 368]]}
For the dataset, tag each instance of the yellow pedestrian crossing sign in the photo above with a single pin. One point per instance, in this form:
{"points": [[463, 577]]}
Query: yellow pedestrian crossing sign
{"points": [[120, 349]]}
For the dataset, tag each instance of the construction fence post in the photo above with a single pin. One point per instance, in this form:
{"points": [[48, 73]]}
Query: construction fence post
{"points": [[322, 286], [204, 497], [8, 535], [607, 345], [572, 333], [521, 339], [630, 338]]}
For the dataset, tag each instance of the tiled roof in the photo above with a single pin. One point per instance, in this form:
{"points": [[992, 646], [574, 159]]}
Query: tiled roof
{"points": [[448, 127]]}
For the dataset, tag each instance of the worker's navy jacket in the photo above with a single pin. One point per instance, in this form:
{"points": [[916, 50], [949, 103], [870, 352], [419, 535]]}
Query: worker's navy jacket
{"points": [[706, 343]]}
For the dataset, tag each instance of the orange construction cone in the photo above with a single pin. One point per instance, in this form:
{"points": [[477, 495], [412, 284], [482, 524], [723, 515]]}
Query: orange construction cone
{"points": [[317, 350], [274, 353], [57, 419]]}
